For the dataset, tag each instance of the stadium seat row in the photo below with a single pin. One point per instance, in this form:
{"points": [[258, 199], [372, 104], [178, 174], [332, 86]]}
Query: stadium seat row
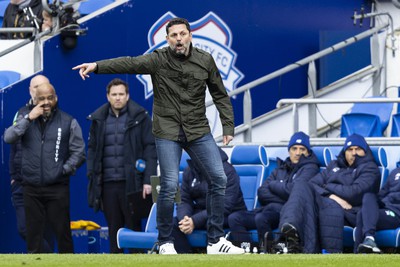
{"points": [[253, 167], [370, 120]]}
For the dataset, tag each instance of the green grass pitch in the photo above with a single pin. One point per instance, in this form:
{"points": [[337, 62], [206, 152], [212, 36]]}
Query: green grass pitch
{"points": [[186, 260]]}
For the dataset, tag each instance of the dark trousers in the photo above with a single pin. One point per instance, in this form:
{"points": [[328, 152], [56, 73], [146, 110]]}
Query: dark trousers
{"points": [[47, 204], [373, 216], [264, 220], [116, 211], [181, 242], [301, 211], [17, 199], [332, 219]]}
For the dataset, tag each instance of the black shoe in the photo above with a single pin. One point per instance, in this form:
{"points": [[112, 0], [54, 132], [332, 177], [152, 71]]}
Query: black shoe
{"points": [[368, 246], [290, 232], [291, 236]]}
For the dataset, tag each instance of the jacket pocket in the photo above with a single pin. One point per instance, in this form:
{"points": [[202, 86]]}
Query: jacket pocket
{"points": [[197, 84], [163, 111]]}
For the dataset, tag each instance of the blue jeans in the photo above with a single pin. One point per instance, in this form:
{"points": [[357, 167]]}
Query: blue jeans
{"points": [[204, 152]]}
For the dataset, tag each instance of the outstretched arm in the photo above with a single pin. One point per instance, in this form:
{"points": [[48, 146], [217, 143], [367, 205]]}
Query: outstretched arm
{"points": [[85, 69]]}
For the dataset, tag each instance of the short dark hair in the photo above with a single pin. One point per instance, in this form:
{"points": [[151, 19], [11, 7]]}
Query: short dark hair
{"points": [[177, 21], [115, 82]]}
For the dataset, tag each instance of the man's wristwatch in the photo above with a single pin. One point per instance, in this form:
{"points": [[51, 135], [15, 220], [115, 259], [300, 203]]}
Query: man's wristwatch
{"points": [[27, 117]]}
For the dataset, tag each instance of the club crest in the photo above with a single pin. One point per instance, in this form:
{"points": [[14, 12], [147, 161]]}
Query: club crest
{"points": [[210, 34]]}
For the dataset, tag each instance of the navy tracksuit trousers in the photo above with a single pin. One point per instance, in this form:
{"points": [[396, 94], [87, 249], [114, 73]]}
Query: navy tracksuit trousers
{"points": [[372, 217]]}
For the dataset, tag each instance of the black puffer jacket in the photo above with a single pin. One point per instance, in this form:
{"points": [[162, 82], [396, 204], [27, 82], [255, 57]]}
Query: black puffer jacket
{"points": [[277, 186], [390, 192], [139, 142], [349, 182]]}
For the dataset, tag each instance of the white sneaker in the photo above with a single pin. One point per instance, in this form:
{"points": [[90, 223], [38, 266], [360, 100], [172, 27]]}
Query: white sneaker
{"points": [[167, 249], [223, 247]]}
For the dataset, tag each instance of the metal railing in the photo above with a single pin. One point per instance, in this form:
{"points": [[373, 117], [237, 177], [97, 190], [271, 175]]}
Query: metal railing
{"points": [[246, 128], [37, 51], [296, 102]]}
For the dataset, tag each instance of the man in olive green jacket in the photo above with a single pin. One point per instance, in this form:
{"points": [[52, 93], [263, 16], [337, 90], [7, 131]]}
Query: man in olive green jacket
{"points": [[180, 75]]}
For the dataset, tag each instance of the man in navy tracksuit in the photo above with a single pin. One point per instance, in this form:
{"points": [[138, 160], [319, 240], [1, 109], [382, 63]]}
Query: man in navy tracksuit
{"points": [[378, 212], [331, 199], [192, 212], [301, 165]]}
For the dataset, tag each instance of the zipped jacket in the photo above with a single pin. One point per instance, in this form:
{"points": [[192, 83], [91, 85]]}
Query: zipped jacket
{"points": [[50, 153], [277, 187], [389, 195], [348, 182], [139, 144]]}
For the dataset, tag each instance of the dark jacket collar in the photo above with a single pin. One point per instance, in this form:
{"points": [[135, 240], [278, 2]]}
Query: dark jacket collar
{"points": [[102, 112], [341, 159]]}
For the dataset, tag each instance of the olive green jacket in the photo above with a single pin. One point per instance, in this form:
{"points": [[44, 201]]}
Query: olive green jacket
{"points": [[179, 87]]}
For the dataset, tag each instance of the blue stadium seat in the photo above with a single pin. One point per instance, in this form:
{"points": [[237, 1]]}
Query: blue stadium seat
{"points": [[90, 6], [367, 125], [182, 165], [324, 155], [127, 238], [3, 6], [389, 238], [8, 77], [382, 110], [395, 125], [251, 163], [367, 119], [381, 160], [273, 155], [348, 237]]}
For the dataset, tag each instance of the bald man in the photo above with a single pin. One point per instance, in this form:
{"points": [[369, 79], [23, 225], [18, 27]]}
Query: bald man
{"points": [[35, 82], [17, 197], [52, 148]]}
